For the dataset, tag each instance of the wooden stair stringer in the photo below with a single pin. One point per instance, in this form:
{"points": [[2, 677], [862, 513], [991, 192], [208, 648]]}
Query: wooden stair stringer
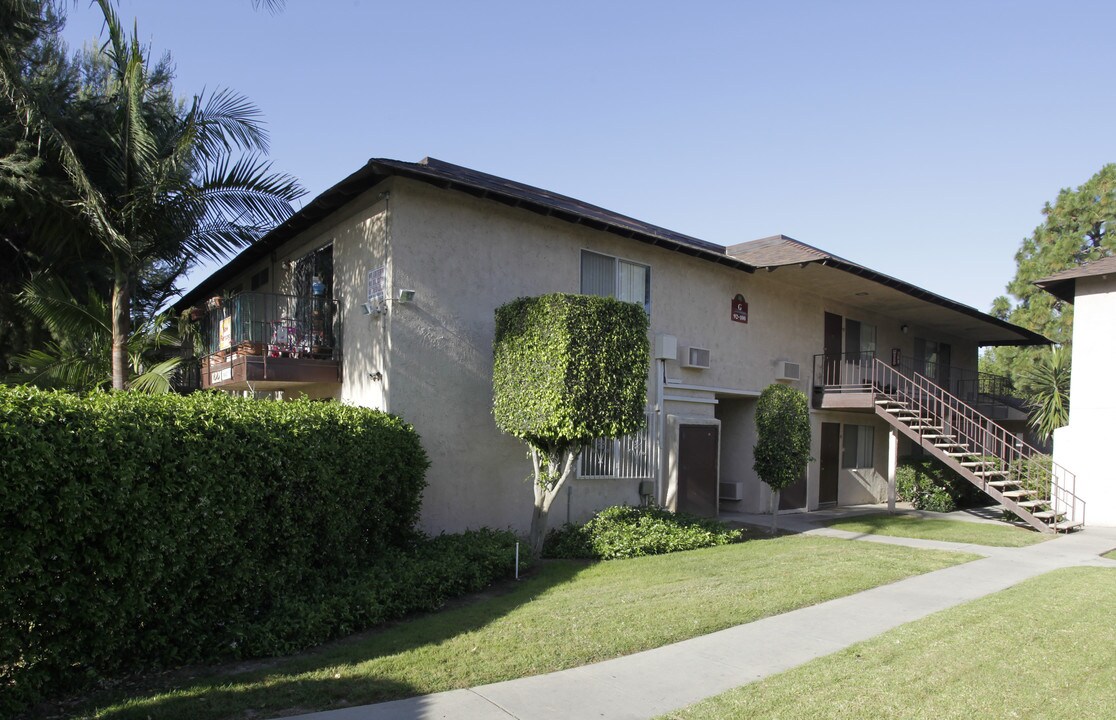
{"points": [[954, 464]]}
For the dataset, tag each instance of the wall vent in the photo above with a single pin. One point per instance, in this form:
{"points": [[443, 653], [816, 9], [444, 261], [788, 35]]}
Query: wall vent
{"points": [[696, 357], [788, 370], [732, 491]]}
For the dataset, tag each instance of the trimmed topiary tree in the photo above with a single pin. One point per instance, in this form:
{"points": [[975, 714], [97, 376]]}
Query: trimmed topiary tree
{"points": [[567, 369], [783, 449]]}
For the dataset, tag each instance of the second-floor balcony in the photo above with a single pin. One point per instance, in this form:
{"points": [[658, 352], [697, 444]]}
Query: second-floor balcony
{"points": [[264, 341], [846, 380]]}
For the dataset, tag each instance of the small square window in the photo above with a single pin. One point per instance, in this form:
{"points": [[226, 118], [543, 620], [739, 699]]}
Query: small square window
{"points": [[608, 276]]}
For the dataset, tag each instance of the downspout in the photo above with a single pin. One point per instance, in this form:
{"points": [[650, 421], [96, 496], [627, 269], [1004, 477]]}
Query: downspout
{"points": [[660, 380]]}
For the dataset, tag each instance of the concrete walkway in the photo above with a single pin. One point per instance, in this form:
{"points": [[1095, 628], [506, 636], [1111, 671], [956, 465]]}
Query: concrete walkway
{"points": [[650, 683]]}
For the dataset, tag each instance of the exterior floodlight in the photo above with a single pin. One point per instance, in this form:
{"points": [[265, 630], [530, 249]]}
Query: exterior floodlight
{"points": [[406, 296]]}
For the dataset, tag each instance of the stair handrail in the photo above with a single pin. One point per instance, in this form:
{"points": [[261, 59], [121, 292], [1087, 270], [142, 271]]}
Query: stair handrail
{"points": [[983, 437]]}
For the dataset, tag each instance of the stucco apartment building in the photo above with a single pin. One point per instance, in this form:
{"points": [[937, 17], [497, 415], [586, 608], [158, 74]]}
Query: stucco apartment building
{"points": [[381, 292]]}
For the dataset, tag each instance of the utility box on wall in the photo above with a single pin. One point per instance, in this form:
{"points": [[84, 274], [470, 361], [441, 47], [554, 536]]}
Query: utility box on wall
{"points": [[666, 347]]}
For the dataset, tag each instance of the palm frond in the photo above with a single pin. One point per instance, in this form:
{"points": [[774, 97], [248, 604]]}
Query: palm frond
{"points": [[1049, 381], [56, 367], [157, 378], [227, 121], [247, 191], [50, 301]]}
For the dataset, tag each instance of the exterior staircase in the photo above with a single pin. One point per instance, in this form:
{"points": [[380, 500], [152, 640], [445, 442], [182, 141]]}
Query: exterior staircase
{"points": [[1021, 478]]}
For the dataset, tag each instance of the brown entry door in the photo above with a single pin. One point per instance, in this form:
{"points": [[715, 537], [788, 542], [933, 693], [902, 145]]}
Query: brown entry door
{"points": [[697, 469], [830, 463]]}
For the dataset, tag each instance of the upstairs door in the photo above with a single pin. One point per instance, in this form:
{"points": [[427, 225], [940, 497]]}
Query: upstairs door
{"points": [[831, 374]]}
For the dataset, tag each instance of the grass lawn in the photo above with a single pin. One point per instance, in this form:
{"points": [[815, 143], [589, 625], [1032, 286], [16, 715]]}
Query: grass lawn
{"points": [[1111, 555], [947, 530], [1042, 649], [567, 614]]}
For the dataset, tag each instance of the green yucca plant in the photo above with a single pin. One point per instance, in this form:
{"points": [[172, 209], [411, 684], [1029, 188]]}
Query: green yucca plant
{"points": [[1048, 399]]}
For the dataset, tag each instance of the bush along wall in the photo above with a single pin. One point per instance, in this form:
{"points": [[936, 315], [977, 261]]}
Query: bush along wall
{"points": [[929, 485], [623, 531], [143, 531]]}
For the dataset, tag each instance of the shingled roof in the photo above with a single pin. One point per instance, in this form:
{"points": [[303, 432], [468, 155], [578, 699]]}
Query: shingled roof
{"points": [[778, 251], [1063, 284], [455, 177], [770, 253]]}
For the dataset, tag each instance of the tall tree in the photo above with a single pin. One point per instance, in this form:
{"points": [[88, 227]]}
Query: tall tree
{"points": [[154, 184], [567, 369], [32, 186], [782, 450], [1077, 228]]}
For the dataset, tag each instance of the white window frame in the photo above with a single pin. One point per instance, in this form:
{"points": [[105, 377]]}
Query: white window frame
{"points": [[618, 261]]}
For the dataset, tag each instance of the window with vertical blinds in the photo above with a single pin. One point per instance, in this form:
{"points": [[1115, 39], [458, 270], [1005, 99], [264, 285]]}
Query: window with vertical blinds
{"points": [[859, 447], [608, 276]]}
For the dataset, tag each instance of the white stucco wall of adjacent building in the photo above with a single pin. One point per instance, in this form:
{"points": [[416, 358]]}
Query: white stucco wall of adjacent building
{"points": [[1084, 446]]}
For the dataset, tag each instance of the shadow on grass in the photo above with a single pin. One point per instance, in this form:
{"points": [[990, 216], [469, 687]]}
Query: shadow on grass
{"points": [[323, 678]]}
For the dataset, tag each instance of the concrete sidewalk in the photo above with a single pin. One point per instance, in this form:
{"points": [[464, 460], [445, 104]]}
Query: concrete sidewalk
{"points": [[654, 682]]}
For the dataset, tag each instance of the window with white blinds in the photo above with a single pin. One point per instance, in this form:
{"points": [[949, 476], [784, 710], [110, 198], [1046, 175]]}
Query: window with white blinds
{"points": [[612, 277]]}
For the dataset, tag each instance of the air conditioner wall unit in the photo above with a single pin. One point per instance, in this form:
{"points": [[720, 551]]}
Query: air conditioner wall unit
{"points": [[695, 357], [732, 491], [785, 370]]}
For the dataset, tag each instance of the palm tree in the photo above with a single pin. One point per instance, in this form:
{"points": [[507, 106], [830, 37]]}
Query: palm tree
{"points": [[155, 185], [77, 355], [1048, 383]]}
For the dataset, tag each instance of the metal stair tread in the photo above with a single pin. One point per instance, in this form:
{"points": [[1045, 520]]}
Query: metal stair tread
{"points": [[914, 416]]}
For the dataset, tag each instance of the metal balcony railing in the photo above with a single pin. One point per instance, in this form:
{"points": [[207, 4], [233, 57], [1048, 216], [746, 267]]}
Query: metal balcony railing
{"points": [[255, 323]]}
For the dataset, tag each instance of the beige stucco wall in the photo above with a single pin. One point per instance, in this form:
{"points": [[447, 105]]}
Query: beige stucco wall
{"points": [[1082, 447], [430, 360], [464, 257]]}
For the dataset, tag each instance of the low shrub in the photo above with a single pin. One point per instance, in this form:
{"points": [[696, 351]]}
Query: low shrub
{"points": [[929, 485], [624, 531], [149, 531]]}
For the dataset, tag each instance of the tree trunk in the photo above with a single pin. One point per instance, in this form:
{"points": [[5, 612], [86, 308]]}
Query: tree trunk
{"points": [[559, 466], [775, 511], [121, 328]]}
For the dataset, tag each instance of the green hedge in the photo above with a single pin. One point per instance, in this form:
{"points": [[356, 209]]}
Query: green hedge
{"points": [[569, 368], [144, 531], [624, 531], [929, 485]]}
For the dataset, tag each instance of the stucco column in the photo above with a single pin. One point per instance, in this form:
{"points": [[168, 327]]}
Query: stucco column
{"points": [[892, 464]]}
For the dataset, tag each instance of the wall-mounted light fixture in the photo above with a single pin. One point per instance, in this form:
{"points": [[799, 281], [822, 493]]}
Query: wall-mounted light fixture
{"points": [[406, 295], [904, 328]]}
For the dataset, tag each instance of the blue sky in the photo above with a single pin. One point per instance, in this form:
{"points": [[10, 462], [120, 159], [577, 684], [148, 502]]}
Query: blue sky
{"points": [[920, 139]]}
